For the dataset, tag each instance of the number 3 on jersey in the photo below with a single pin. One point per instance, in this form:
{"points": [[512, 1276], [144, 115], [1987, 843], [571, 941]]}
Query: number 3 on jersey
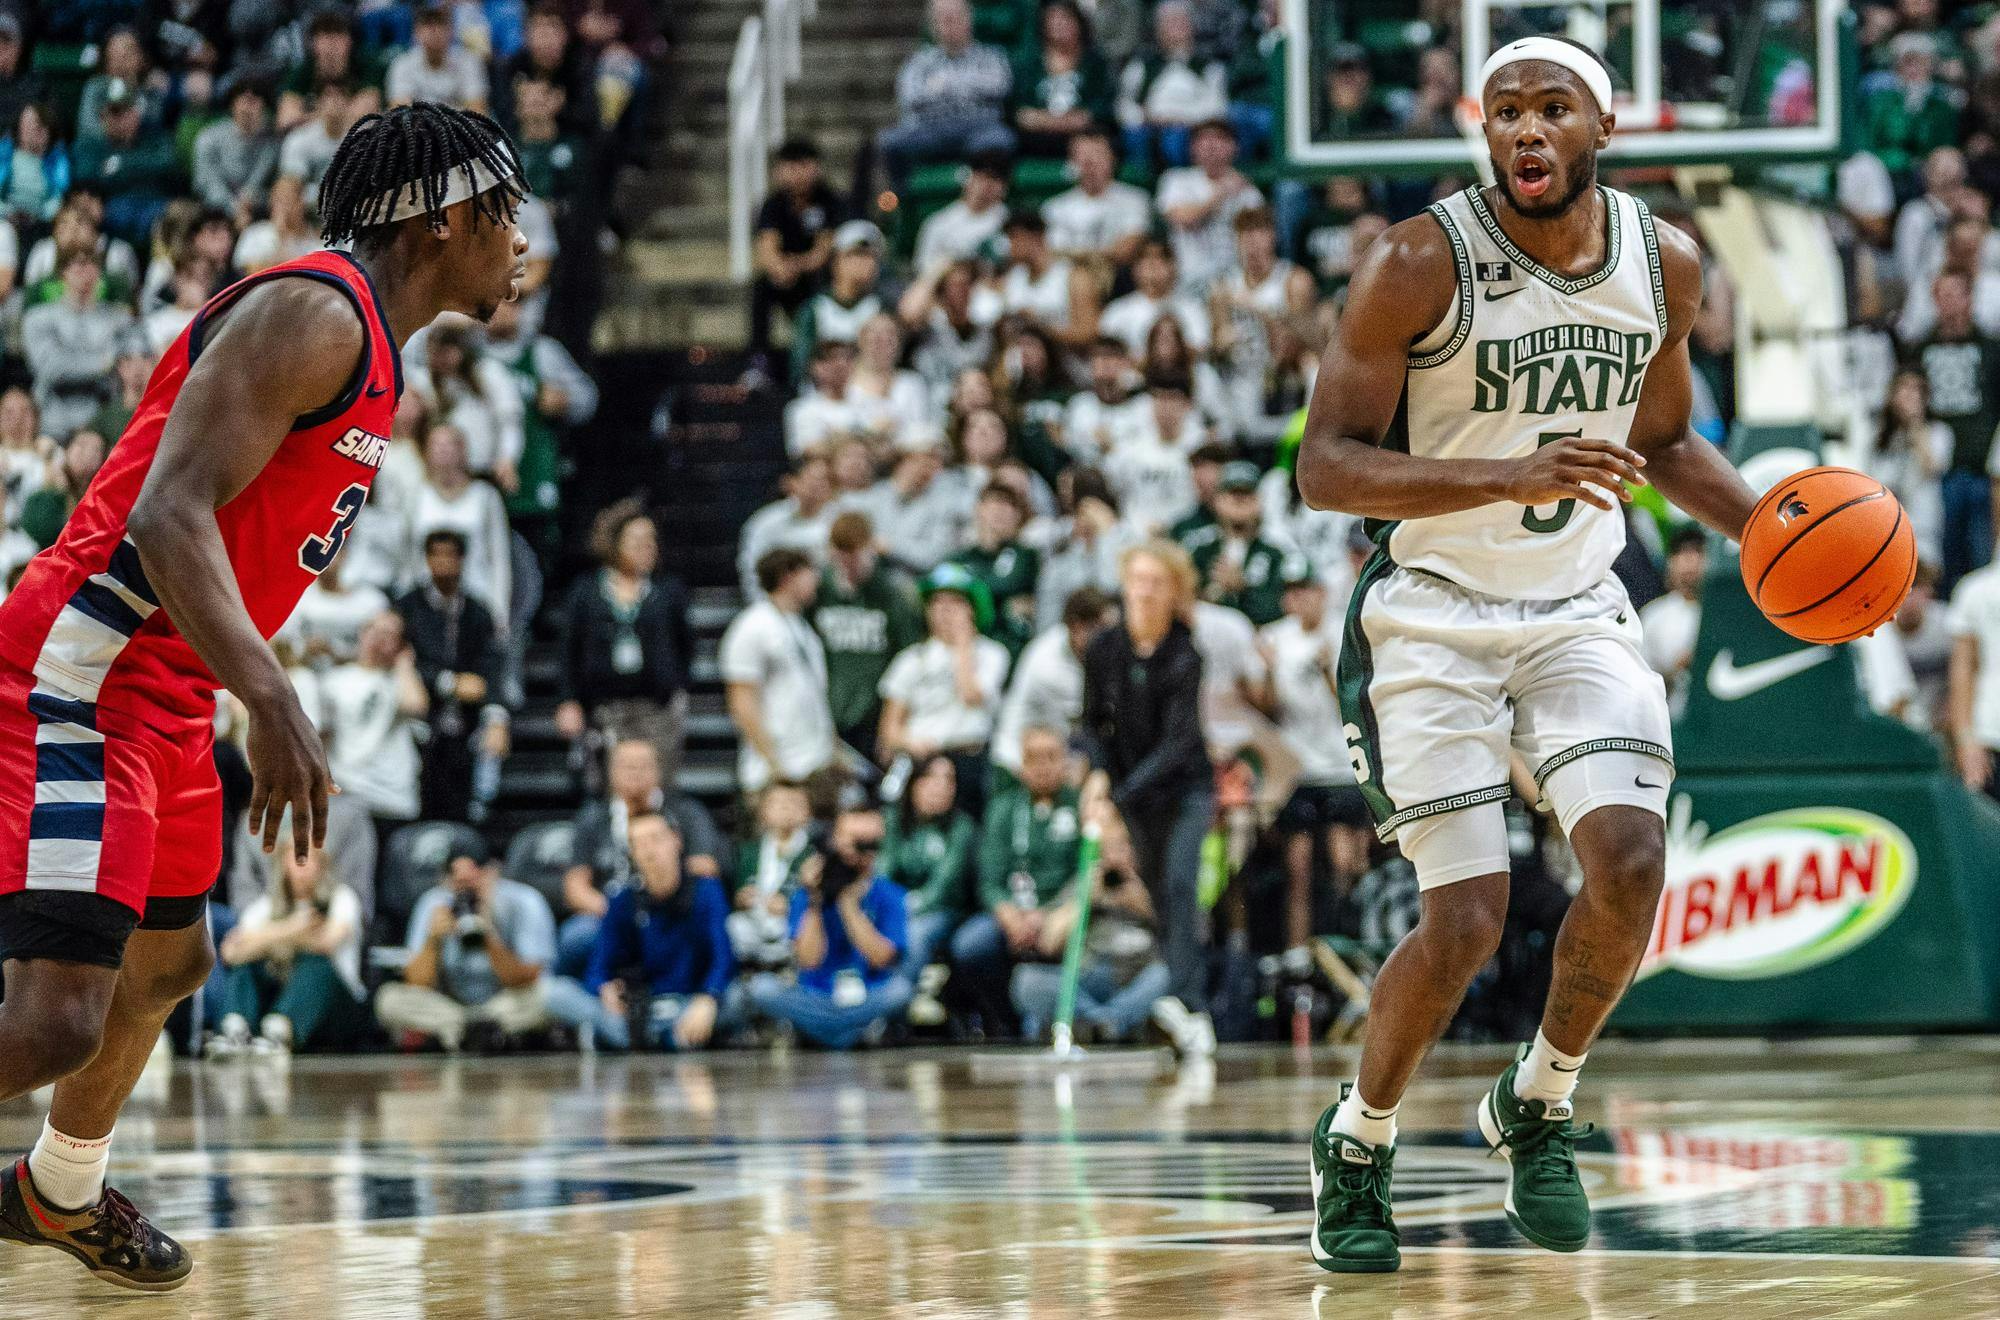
{"points": [[319, 552]]}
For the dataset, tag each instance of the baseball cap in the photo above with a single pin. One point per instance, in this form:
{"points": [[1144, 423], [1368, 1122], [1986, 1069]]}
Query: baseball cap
{"points": [[1346, 54], [857, 233], [1239, 475], [119, 93], [10, 26], [1298, 571]]}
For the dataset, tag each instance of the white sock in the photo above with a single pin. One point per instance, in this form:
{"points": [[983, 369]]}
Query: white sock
{"points": [[1373, 1125], [69, 1172], [1547, 1074]]}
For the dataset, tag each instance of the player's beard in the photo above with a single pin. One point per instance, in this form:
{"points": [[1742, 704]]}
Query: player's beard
{"points": [[1583, 178]]}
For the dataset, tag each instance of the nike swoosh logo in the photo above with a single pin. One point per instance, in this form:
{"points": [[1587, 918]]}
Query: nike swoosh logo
{"points": [[1556, 1067], [1491, 296], [1642, 784], [1728, 681], [377, 391]]}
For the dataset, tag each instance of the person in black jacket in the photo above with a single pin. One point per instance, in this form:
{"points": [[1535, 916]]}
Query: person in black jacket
{"points": [[626, 641], [459, 659], [1141, 729]]}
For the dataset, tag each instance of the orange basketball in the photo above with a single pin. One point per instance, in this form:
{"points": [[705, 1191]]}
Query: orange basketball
{"points": [[1828, 554]]}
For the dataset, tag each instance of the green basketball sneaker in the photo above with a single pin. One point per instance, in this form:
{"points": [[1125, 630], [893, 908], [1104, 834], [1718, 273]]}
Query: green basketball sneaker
{"points": [[1354, 1231], [1545, 1199]]}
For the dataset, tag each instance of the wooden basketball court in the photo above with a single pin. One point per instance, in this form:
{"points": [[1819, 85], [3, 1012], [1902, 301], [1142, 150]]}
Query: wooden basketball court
{"points": [[1737, 1179]]}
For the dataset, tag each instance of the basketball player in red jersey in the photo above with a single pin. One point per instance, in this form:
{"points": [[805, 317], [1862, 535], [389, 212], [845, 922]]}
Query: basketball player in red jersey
{"points": [[235, 485]]}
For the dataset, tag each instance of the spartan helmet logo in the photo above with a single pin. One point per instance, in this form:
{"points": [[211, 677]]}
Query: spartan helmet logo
{"points": [[1790, 507]]}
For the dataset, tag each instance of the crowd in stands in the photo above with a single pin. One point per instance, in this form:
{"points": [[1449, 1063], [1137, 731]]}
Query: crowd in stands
{"points": [[1100, 349], [1020, 427]]}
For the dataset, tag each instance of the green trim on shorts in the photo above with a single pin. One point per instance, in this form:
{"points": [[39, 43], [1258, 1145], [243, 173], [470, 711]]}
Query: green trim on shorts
{"points": [[1438, 806], [1568, 754], [1356, 671]]}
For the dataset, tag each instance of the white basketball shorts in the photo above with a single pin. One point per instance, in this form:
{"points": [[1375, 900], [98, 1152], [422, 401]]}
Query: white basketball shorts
{"points": [[1438, 684]]}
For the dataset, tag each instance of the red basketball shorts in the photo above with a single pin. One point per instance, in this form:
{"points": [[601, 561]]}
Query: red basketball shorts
{"points": [[98, 801]]}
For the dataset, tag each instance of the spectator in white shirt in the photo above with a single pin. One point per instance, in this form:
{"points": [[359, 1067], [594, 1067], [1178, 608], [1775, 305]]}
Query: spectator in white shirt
{"points": [[1233, 679], [893, 404], [326, 627], [1081, 549], [1046, 290], [1167, 91], [294, 962], [800, 521], [1963, 254], [1099, 218], [1201, 203], [937, 310], [436, 69], [461, 385], [1047, 688], [308, 149], [826, 413], [919, 516], [1155, 275], [373, 709], [1148, 467], [1911, 453], [451, 500], [194, 279], [1326, 810], [1920, 225], [287, 232], [1673, 621], [943, 694], [774, 672], [1091, 419], [965, 229]]}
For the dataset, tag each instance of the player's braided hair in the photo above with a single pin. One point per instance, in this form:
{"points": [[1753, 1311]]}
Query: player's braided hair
{"points": [[384, 154]]}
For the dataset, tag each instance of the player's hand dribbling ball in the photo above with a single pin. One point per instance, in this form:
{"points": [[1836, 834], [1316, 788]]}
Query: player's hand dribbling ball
{"points": [[1829, 555]]}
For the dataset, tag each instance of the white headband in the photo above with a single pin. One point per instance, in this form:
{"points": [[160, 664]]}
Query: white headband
{"points": [[407, 200], [1574, 58]]}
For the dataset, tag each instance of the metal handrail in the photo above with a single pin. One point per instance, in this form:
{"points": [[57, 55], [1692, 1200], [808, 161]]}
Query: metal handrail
{"points": [[769, 56]]}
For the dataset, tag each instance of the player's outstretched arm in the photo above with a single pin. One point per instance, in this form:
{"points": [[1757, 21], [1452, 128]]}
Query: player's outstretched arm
{"points": [[284, 349], [1686, 468], [1401, 292]]}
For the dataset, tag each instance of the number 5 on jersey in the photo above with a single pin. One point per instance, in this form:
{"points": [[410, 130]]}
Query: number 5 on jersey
{"points": [[319, 552], [1558, 520]]}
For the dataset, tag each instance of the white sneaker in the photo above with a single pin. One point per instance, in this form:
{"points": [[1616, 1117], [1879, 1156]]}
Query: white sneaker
{"points": [[231, 1041], [1200, 1042], [276, 1028], [1171, 1016], [925, 1011], [268, 1047]]}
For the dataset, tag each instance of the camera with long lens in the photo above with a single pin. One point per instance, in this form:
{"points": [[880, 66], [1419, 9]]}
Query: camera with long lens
{"points": [[466, 924]]}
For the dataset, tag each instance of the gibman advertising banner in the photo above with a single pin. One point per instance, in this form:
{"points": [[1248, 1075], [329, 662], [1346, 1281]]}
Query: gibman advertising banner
{"points": [[1777, 893]]}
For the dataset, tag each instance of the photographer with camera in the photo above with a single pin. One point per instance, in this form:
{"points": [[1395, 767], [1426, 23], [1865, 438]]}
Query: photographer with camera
{"points": [[848, 934], [660, 972], [478, 946]]}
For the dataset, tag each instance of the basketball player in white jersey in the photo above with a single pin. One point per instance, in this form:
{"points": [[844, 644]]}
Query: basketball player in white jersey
{"points": [[1507, 363]]}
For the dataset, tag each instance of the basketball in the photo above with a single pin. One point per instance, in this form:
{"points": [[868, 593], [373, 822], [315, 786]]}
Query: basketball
{"points": [[1828, 555]]}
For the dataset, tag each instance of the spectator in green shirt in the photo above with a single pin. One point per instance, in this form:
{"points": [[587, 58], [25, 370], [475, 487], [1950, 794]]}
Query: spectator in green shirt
{"points": [[45, 511], [1009, 569], [1027, 855], [1061, 87], [1238, 567], [1904, 120], [135, 172], [866, 612], [551, 161], [1205, 466], [928, 851]]}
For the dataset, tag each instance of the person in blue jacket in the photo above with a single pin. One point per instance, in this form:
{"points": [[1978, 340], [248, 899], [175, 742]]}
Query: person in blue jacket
{"points": [[662, 967]]}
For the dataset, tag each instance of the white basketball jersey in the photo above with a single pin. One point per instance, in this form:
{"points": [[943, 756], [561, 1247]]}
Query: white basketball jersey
{"points": [[1526, 357]]}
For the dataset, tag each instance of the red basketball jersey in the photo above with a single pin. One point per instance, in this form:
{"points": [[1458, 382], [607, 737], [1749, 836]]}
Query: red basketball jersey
{"points": [[84, 617]]}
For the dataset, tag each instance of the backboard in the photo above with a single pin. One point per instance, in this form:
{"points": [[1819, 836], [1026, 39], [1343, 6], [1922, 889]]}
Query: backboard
{"points": [[1750, 82]]}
